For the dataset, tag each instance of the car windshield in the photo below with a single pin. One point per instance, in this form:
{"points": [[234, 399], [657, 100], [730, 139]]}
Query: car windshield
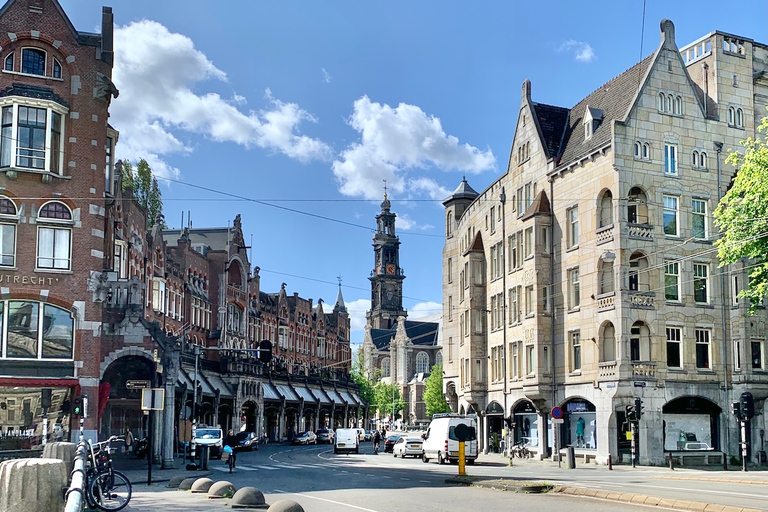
{"points": [[302, 434], [243, 435], [322, 431], [393, 438], [208, 433], [472, 434]]}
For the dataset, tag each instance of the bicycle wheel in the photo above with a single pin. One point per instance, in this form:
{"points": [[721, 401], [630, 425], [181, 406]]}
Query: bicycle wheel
{"points": [[110, 491]]}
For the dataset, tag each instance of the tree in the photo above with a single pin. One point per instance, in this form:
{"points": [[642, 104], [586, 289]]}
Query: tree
{"points": [[363, 383], [741, 216], [145, 190], [434, 398], [387, 398]]}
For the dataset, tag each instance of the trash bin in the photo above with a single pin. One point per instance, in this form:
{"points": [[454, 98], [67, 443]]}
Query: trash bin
{"points": [[570, 458], [205, 453]]}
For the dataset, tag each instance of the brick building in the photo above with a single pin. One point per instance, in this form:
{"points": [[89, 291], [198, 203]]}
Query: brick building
{"points": [[585, 276]]}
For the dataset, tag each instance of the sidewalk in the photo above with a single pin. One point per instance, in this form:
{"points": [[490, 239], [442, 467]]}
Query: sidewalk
{"points": [[136, 470]]}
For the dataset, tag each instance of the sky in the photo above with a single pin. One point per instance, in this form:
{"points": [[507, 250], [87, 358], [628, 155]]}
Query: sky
{"points": [[293, 113]]}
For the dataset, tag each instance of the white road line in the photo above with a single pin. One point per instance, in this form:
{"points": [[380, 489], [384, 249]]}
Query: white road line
{"points": [[734, 493], [329, 501], [271, 468], [385, 476], [247, 468]]}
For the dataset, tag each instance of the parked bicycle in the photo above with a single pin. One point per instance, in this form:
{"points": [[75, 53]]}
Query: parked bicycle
{"points": [[521, 451], [105, 488]]}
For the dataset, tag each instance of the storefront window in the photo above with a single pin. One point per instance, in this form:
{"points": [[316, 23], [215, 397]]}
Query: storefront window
{"points": [[22, 329], [57, 333], [526, 423], [690, 424], [581, 424], [22, 417]]}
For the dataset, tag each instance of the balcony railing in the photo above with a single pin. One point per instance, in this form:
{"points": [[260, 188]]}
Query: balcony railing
{"points": [[640, 231], [642, 300], [608, 370], [644, 369], [236, 293], [604, 234], [606, 301]]}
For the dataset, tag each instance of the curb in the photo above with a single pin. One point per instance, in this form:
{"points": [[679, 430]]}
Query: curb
{"points": [[642, 499], [715, 479], [503, 484]]}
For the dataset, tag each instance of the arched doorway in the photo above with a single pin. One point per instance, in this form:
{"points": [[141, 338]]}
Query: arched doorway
{"points": [[494, 415], [248, 414], [580, 426], [123, 408], [272, 420], [691, 423], [525, 422]]}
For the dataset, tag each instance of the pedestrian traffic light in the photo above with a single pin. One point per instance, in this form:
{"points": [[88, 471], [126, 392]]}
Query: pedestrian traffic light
{"points": [[747, 403], [736, 409], [638, 408], [77, 406], [630, 412]]}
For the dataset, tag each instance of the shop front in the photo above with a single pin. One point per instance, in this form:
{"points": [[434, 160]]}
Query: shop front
{"points": [[691, 423], [580, 425], [34, 412], [525, 422], [494, 415]]}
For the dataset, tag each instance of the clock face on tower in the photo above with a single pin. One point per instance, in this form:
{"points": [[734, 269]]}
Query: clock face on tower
{"points": [[391, 269]]}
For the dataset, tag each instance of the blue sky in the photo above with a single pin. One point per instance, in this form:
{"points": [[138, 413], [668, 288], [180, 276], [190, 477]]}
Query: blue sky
{"points": [[301, 109]]}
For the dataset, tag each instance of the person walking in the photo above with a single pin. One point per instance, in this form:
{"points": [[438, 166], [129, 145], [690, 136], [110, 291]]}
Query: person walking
{"points": [[376, 442], [128, 440]]}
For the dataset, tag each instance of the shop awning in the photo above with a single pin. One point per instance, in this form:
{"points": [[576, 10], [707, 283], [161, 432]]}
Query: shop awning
{"points": [[336, 398], [320, 394], [287, 393], [218, 383], [270, 393], [349, 398], [188, 376], [305, 394]]}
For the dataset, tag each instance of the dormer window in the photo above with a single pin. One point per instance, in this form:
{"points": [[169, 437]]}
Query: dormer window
{"points": [[8, 63], [33, 61], [592, 119]]}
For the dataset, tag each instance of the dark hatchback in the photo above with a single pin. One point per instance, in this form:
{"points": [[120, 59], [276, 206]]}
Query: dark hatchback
{"points": [[389, 444], [247, 441]]}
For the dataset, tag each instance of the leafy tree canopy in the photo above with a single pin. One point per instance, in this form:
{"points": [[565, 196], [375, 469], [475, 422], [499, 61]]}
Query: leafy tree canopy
{"points": [[741, 216], [145, 190], [433, 392], [387, 397], [362, 381]]}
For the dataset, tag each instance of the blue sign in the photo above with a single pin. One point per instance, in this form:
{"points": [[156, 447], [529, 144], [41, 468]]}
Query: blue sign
{"points": [[557, 413]]}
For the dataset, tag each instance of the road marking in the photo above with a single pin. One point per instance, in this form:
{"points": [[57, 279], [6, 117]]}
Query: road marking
{"points": [[385, 476], [330, 501], [676, 489], [425, 481], [271, 468], [247, 468]]}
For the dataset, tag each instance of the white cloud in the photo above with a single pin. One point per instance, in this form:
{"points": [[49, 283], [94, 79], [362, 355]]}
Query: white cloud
{"points": [[327, 78], [357, 309], [406, 223], [423, 309], [156, 71], [581, 50], [395, 142]]}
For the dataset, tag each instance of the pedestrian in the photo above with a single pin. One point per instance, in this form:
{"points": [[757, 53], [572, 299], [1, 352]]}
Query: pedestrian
{"points": [[376, 442], [128, 440]]}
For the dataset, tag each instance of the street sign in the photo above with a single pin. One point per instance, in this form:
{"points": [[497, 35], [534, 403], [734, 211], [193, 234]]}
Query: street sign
{"points": [[152, 399], [137, 384], [558, 421], [557, 413], [639, 384]]}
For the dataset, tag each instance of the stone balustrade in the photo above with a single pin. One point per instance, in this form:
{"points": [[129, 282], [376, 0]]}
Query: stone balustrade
{"points": [[604, 234], [32, 485], [608, 370], [642, 300], [646, 369], [640, 231]]}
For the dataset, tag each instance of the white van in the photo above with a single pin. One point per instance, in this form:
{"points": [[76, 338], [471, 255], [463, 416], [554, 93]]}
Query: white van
{"points": [[441, 444], [347, 440]]}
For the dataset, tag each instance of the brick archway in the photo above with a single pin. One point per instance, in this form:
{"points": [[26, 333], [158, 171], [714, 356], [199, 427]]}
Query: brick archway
{"points": [[117, 354]]}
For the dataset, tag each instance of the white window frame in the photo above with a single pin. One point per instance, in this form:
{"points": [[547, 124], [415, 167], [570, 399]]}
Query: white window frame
{"points": [[760, 363], [674, 336], [699, 211], [574, 289], [530, 302], [422, 363], [672, 271], [671, 164], [703, 337], [671, 205], [14, 102], [528, 242], [159, 289], [530, 359], [11, 222], [59, 227], [120, 263], [572, 220], [701, 275], [574, 339]]}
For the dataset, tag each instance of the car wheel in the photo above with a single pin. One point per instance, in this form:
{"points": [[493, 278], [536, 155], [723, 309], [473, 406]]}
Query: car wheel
{"points": [[440, 459], [335, 451], [424, 458], [471, 462]]}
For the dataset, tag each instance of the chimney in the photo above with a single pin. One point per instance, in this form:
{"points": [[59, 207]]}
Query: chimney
{"points": [[107, 35]]}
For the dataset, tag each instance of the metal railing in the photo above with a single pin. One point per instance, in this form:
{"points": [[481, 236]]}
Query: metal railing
{"points": [[75, 495]]}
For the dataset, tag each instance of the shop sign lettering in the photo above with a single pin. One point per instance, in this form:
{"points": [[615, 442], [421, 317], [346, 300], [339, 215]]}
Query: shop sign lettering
{"points": [[28, 280]]}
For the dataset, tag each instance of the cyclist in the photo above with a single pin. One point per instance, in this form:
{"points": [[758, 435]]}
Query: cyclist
{"points": [[376, 441], [231, 441]]}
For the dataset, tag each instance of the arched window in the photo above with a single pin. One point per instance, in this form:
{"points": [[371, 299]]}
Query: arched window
{"points": [[439, 358], [54, 241], [8, 66], [449, 224], [638, 149], [8, 219], [605, 276], [608, 343], [605, 212], [731, 116], [662, 98], [703, 160], [678, 105], [646, 151], [422, 362], [33, 61], [637, 206], [640, 342], [638, 273], [695, 158], [668, 103], [385, 367], [739, 118]]}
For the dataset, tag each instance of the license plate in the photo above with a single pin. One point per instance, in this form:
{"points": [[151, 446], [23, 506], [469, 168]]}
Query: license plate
{"points": [[341, 444], [413, 446]]}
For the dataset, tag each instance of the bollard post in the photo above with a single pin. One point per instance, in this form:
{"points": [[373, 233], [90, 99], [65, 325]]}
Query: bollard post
{"points": [[192, 464], [610, 462], [82, 429], [725, 462], [671, 462]]}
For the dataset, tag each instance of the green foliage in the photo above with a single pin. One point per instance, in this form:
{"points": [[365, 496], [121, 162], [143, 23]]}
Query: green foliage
{"points": [[362, 381], [433, 392], [741, 216], [145, 190], [387, 396]]}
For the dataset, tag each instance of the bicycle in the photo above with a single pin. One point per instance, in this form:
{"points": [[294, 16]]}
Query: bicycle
{"points": [[520, 450], [231, 457], [104, 487]]}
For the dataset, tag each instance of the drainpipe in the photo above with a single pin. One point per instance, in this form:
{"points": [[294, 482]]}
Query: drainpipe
{"points": [[723, 284]]}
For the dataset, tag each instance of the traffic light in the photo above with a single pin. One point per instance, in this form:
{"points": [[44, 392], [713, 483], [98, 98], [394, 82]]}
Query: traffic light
{"points": [[638, 408], [747, 405], [630, 412], [77, 406], [736, 409]]}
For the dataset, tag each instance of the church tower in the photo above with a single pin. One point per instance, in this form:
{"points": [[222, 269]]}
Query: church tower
{"points": [[387, 276]]}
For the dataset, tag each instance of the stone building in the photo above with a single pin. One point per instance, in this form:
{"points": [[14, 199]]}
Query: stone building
{"points": [[585, 276], [397, 350]]}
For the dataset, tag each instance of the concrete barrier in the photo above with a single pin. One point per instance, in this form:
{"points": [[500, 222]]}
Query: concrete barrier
{"points": [[32, 485], [61, 451]]}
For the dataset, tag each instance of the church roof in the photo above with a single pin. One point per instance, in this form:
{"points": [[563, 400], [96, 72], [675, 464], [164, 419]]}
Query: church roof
{"points": [[419, 333], [463, 191]]}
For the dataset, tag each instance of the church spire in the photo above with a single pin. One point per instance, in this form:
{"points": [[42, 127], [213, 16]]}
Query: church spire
{"points": [[339, 306]]}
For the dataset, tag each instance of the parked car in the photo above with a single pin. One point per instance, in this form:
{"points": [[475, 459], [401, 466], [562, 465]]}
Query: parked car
{"points": [[407, 446], [307, 437], [346, 440], [390, 442], [441, 443], [210, 437], [247, 441], [369, 435], [325, 435]]}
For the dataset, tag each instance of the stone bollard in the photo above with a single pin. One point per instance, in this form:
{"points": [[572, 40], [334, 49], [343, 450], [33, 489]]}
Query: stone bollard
{"points": [[32, 485], [248, 497], [61, 451], [285, 506]]}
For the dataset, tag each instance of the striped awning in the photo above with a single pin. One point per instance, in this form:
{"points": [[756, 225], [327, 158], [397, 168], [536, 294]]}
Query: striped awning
{"points": [[287, 393], [305, 394], [320, 394], [270, 393]]}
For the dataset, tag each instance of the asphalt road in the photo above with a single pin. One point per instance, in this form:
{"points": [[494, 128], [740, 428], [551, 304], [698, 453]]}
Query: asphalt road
{"points": [[322, 481]]}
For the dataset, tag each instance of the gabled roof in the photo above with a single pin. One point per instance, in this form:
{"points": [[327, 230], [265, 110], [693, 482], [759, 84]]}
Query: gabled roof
{"points": [[84, 38], [552, 121], [419, 333], [539, 205]]}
